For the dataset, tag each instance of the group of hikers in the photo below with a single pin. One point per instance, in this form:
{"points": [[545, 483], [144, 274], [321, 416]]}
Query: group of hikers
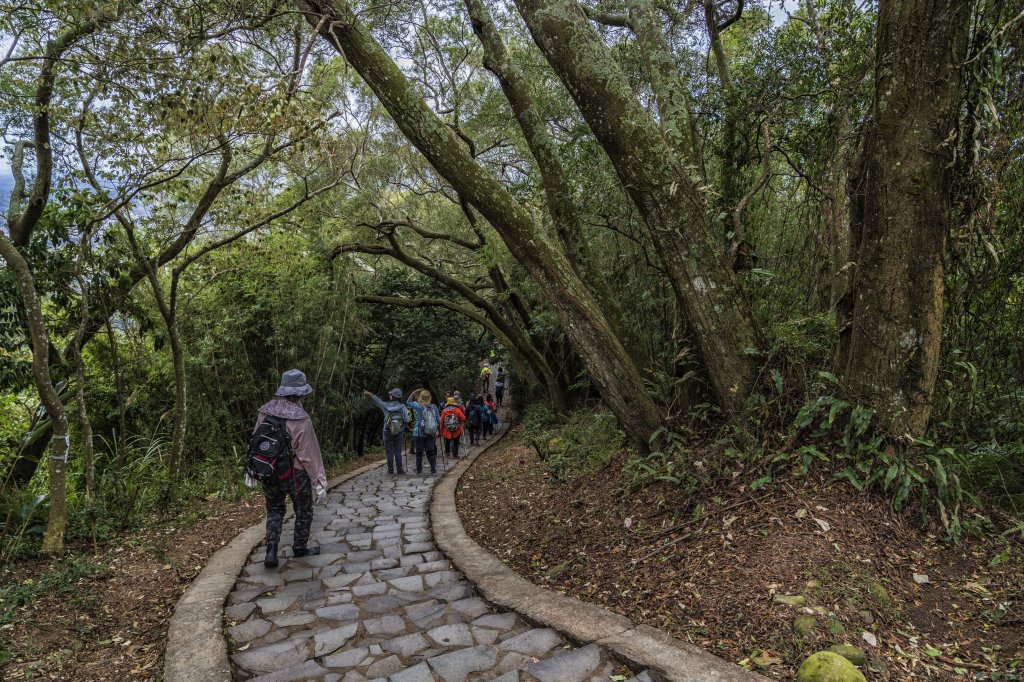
{"points": [[284, 453], [477, 416], [499, 381]]}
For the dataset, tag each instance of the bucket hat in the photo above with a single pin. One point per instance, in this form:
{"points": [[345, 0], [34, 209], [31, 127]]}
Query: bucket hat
{"points": [[395, 393], [293, 382]]}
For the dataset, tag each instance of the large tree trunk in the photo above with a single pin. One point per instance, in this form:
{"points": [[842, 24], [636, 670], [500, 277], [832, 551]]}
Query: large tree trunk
{"points": [[557, 189], [891, 318], [663, 187], [609, 366], [53, 540]]}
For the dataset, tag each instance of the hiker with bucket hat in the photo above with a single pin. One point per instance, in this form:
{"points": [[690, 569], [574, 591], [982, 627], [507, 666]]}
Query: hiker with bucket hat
{"points": [[428, 422], [396, 420], [301, 469]]}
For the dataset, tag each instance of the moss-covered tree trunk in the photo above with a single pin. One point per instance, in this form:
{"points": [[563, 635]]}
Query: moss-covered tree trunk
{"points": [[665, 189], [607, 362], [891, 318]]}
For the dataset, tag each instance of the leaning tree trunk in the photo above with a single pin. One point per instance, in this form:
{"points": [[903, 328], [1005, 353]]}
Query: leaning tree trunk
{"points": [[53, 540], [664, 188], [607, 362], [891, 318]]}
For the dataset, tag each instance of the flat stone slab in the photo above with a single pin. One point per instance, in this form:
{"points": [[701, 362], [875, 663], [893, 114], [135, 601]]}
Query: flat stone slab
{"points": [[452, 635], [536, 642], [329, 641], [457, 666], [273, 657], [573, 666], [249, 630]]}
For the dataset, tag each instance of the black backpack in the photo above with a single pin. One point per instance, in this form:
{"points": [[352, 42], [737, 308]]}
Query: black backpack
{"points": [[473, 417], [269, 458]]}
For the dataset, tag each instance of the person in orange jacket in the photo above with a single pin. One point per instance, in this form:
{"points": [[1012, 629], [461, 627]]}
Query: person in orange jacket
{"points": [[453, 420]]}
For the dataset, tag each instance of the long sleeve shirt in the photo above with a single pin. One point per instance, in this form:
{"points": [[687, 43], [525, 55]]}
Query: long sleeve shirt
{"points": [[388, 407], [305, 447], [419, 411]]}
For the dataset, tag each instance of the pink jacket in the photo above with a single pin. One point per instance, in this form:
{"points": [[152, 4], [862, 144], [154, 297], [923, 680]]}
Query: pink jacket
{"points": [[304, 441]]}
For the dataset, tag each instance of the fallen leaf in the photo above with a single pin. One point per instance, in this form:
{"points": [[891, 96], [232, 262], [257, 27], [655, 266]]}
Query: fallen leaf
{"points": [[800, 513], [824, 525], [869, 638], [921, 579]]}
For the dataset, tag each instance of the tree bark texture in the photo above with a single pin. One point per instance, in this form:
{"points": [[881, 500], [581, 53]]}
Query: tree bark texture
{"points": [[607, 362], [557, 189], [660, 183], [891, 318], [53, 539]]}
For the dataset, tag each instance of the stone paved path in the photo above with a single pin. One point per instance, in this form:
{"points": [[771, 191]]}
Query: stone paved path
{"points": [[382, 603]]}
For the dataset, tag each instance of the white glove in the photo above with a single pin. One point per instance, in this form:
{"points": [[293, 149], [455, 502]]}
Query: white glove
{"points": [[321, 493], [250, 482]]}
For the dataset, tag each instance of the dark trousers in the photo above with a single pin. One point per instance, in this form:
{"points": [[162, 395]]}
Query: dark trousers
{"points": [[488, 428], [474, 434], [425, 445], [299, 488], [451, 446], [393, 448], [499, 393]]}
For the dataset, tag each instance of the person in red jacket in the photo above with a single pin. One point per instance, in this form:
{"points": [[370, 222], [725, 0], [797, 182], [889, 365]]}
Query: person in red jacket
{"points": [[453, 419]]}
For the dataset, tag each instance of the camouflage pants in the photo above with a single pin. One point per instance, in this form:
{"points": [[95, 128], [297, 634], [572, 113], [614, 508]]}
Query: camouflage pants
{"points": [[300, 489]]}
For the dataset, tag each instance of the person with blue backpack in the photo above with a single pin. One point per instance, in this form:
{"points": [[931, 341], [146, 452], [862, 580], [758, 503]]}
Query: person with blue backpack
{"points": [[396, 420], [424, 434]]}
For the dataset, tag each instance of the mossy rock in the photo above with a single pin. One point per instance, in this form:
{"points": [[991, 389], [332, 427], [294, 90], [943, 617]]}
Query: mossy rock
{"points": [[850, 653], [880, 593], [790, 599], [866, 616], [813, 584], [826, 666], [804, 625], [835, 626]]}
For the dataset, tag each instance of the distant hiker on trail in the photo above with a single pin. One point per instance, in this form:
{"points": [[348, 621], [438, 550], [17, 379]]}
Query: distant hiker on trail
{"points": [[284, 455], [485, 418], [474, 418], [396, 419], [452, 421], [458, 400], [492, 415], [485, 378], [424, 434], [499, 386]]}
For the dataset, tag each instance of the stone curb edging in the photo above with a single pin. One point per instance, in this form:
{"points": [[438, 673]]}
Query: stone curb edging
{"points": [[197, 650], [642, 645]]}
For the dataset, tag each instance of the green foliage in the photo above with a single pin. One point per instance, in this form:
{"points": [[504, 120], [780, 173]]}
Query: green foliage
{"points": [[587, 441], [915, 471], [16, 596]]}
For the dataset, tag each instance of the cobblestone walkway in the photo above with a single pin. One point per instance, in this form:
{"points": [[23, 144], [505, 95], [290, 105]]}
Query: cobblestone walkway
{"points": [[382, 603]]}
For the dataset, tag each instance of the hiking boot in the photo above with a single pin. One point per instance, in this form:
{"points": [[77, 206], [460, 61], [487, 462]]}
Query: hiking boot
{"points": [[270, 561], [306, 551]]}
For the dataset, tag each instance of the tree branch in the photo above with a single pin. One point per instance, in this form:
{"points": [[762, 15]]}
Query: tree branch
{"points": [[21, 226]]}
